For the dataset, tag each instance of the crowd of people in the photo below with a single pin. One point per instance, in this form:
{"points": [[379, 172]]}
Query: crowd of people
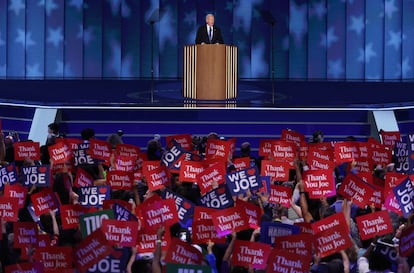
{"points": [[380, 253]]}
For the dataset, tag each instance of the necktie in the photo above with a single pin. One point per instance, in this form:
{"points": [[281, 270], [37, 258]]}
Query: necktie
{"points": [[209, 34]]}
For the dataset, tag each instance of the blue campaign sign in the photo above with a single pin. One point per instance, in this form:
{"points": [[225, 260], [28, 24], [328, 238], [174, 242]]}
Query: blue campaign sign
{"points": [[38, 176], [8, 175], [94, 196], [401, 157], [114, 263], [123, 214], [404, 193], [185, 208], [241, 181], [410, 142], [218, 198], [269, 231]]}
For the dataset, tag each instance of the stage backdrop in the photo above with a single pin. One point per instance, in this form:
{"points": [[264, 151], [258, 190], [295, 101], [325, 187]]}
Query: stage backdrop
{"points": [[314, 39]]}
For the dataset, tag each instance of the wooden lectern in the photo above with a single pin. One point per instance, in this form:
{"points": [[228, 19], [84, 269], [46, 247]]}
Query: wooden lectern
{"points": [[210, 72]]}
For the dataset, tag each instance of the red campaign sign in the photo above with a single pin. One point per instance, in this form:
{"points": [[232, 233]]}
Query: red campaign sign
{"points": [[157, 178], [16, 191], [250, 254], [70, 215], [303, 150], [282, 261], [283, 151], [297, 243], [25, 234], [331, 235], [292, 136], [280, 195], [253, 212], [138, 175], [119, 180], [189, 170], [377, 198], [305, 228], [278, 171], [364, 164], [367, 177], [44, 201], [353, 188], [83, 178], [9, 209], [54, 258], [393, 179], [24, 268], [217, 148], [60, 152], [123, 233], [241, 163], [407, 241], [185, 140], [213, 175], [231, 219], [391, 203], [147, 239], [181, 252], [101, 150], [72, 143], [381, 155], [204, 231], [159, 213], [320, 157], [127, 150], [319, 183], [26, 150], [91, 250], [389, 138], [203, 213], [365, 150], [125, 163], [148, 166], [374, 224], [346, 152], [265, 147], [335, 220]]}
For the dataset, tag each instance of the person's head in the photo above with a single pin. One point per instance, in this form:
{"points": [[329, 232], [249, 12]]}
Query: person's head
{"points": [[53, 128], [245, 149], [152, 150], [210, 19], [141, 266], [317, 137], [213, 135], [114, 139], [87, 134], [120, 133]]}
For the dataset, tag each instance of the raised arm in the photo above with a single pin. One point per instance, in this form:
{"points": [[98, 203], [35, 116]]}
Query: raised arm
{"points": [[156, 261]]}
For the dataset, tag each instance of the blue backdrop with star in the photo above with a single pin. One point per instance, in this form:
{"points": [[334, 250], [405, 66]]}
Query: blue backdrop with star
{"points": [[314, 39]]}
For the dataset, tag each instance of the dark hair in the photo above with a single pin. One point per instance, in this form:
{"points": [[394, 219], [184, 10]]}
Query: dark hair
{"points": [[54, 127], [87, 133]]}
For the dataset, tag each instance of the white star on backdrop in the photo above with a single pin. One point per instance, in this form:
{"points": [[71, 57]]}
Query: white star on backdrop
{"points": [[55, 36], [16, 6], [24, 38], [390, 8], [329, 38], [335, 68], [33, 71], [366, 54], [49, 5], [190, 17], [357, 24], [78, 4], [318, 9], [297, 21], [406, 67], [395, 39], [260, 69]]}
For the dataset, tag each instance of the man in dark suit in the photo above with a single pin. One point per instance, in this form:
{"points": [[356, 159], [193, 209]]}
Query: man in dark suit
{"points": [[209, 33]]}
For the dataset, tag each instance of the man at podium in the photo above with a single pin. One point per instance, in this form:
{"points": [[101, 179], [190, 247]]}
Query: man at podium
{"points": [[209, 33]]}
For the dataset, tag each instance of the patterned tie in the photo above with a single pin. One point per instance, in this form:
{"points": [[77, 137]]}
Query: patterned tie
{"points": [[209, 34]]}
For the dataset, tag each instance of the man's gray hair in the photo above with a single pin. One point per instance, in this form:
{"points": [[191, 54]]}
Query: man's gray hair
{"points": [[210, 14]]}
